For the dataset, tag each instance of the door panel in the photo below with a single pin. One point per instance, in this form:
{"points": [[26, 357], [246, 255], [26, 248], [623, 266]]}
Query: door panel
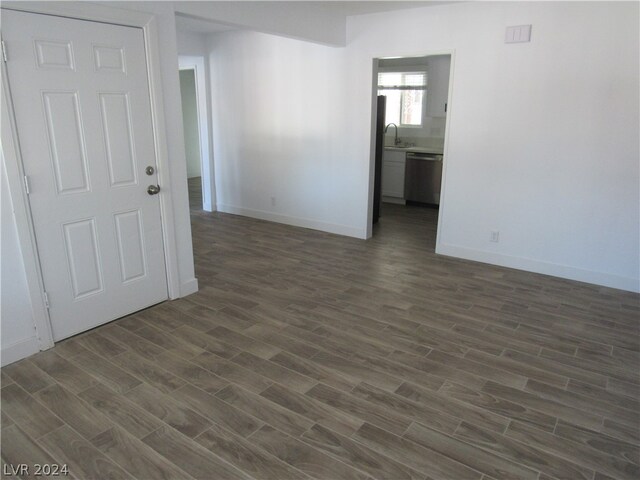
{"points": [[51, 54], [83, 114], [66, 144], [116, 123], [108, 59], [130, 245], [83, 258]]}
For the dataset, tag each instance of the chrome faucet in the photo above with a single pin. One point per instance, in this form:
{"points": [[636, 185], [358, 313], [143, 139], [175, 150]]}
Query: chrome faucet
{"points": [[396, 140]]}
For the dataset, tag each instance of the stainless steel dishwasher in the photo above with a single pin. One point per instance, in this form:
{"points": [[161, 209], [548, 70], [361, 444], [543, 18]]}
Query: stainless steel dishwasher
{"points": [[422, 178]]}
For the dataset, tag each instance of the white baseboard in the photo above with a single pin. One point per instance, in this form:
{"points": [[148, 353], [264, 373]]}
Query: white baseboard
{"points": [[189, 287], [19, 350], [530, 265], [295, 221]]}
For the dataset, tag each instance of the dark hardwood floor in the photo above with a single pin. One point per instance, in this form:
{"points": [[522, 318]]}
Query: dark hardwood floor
{"points": [[310, 355]]}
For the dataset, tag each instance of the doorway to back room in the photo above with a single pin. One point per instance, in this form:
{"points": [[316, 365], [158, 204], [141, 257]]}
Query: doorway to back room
{"points": [[198, 141], [411, 116], [191, 137]]}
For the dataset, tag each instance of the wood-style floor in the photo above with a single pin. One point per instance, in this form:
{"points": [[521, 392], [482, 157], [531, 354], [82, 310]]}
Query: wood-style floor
{"points": [[310, 355]]}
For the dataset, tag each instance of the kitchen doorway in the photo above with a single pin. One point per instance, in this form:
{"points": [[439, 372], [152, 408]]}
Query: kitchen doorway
{"points": [[409, 167], [195, 118]]}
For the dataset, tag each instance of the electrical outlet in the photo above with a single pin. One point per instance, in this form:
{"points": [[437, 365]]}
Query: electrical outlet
{"points": [[495, 236], [273, 201]]}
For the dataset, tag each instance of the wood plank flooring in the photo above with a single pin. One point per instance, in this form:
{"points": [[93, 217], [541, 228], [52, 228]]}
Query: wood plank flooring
{"points": [[309, 355]]}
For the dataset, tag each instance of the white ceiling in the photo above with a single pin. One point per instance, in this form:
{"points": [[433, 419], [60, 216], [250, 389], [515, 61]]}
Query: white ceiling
{"points": [[194, 24]]}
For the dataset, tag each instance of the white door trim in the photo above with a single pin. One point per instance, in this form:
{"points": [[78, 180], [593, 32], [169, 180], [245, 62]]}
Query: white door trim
{"points": [[26, 235], [197, 64], [22, 213]]}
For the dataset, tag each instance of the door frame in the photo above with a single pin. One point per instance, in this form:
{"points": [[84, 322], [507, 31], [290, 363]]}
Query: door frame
{"points": [[15, 169], [447, 134], [197, 64]]}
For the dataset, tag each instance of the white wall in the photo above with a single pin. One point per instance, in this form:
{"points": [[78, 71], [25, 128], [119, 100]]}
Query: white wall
{"points": [[17, 332], [543, 136], [279, 129], [313, 21], [190, 122]]}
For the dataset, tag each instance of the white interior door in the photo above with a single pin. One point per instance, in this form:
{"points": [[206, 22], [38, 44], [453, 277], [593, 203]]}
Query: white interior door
{"points": [[82, 106]]}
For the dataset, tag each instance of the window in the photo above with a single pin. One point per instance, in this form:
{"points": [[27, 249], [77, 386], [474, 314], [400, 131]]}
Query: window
{"points": [[406, 96]]}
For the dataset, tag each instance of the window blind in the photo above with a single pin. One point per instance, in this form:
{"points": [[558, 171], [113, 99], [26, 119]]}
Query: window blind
{"points": [[402, 80]]}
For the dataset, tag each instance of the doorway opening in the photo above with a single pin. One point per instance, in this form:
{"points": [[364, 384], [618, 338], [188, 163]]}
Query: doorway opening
{"points": [[410, 117], [191, 137], [195, 123]]}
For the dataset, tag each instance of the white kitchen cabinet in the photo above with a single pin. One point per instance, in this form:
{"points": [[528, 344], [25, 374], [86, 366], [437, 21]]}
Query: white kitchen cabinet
{"points": [[393, 165], [438, 85]]}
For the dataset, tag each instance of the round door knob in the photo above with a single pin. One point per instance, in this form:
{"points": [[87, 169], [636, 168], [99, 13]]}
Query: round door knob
{"points": [[153, 189]]}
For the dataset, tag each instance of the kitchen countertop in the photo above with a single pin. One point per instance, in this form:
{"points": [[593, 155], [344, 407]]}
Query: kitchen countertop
{"points": [[434, 150]]}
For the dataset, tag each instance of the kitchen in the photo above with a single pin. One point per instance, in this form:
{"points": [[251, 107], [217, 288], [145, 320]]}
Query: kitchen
{"points": [[411, 130]]}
